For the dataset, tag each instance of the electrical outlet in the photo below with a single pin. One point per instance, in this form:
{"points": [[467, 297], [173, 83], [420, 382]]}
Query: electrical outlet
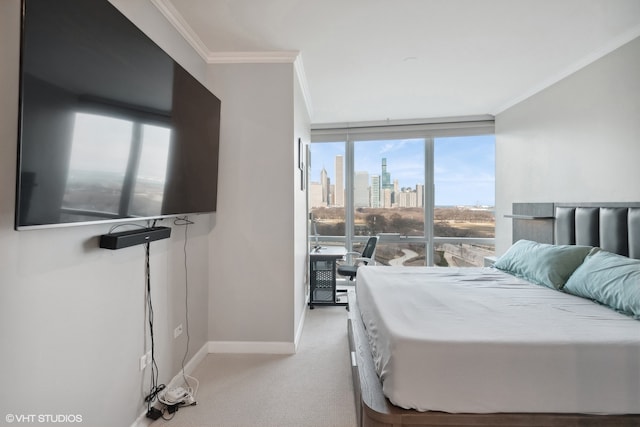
{"points": [[145, 360], [177, 331]]}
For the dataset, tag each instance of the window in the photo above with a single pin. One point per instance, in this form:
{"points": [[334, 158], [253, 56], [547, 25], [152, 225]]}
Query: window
{"points": [[428, 194], [388, 197], [326, 191], [464, 181]]}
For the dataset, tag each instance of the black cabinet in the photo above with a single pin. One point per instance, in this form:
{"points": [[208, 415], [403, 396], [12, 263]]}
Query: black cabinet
{"points": [[322, 277]]}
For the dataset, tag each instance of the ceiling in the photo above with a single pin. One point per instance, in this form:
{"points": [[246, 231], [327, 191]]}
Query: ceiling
{"points": [[371, 60]]}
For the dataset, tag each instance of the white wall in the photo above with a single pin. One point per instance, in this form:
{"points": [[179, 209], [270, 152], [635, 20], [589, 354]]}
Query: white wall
{"points": [[576, 141], [302, 130], [254, 245], [72, 316]]}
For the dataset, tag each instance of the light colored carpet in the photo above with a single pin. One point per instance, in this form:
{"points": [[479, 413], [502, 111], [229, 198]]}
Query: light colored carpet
{"points": [[311, 388]]}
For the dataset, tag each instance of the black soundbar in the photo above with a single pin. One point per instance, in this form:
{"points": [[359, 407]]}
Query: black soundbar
{"points": [[124, 239]]}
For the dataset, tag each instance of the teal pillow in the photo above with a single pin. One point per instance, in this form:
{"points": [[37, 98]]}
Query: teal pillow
{"points": [[610, 279], [541, 263]]}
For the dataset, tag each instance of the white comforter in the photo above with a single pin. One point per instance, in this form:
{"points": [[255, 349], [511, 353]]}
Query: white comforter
{"points": [[481, 341]]}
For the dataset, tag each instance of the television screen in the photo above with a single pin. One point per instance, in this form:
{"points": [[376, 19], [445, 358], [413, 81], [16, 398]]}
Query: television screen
{"points": [[110, 127]]}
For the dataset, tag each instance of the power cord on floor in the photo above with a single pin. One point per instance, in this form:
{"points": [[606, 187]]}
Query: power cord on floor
{"points": [[180, 396]]}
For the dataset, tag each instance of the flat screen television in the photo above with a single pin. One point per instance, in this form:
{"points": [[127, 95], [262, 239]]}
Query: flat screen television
{"points": [[111, 128]]}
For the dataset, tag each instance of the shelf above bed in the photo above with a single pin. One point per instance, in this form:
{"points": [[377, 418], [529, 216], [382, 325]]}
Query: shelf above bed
{"points": [[532, 221], [531, 217]]}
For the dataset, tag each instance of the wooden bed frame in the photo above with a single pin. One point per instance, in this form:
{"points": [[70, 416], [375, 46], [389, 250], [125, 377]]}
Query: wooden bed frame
{"points": [[373, 409]]}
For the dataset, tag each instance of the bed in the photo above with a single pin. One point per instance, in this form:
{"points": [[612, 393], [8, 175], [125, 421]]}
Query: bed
{"points": [[518, 345]]}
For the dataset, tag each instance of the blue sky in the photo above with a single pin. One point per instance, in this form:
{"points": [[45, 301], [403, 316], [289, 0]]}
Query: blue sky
{"points": [[464, 166]]}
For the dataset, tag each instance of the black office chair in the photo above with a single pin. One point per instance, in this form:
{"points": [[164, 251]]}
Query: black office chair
{"points": [[367, 256]]}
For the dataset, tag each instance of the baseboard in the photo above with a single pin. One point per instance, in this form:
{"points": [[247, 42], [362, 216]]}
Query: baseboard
{"points": [[142, 421], [256, 347], [189, 367], [299, 331]]}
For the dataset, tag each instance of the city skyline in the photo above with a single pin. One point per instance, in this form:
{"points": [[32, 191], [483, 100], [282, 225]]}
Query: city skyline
{"points": [[464, 167]]}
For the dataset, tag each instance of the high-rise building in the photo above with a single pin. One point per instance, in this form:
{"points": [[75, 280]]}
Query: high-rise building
{"points": [[375, 191], [386, 176], [395, 192], [361, 190], [324, 181], [419, 195], [386, 184], [403, 199], [339, 183], [407, 199], [315, 195], [386, 197]]}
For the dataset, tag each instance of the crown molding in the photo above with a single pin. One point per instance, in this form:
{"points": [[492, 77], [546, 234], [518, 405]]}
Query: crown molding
{"points": [[272, 57], [182, 26], [304, 87], [178, 22]]}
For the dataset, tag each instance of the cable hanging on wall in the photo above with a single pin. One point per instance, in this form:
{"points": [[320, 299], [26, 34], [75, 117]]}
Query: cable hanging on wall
{"points": [[180, 221], [180, 396], [154, 388]]}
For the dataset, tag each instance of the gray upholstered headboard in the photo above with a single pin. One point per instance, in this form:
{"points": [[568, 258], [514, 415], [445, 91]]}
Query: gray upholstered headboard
{"points": [[615, 227]]}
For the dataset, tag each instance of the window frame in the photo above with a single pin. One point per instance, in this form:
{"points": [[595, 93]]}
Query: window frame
{"points": [[428, 130]]}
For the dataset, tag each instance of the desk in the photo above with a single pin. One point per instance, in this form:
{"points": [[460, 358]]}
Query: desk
{"points": [[322, 275]]}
